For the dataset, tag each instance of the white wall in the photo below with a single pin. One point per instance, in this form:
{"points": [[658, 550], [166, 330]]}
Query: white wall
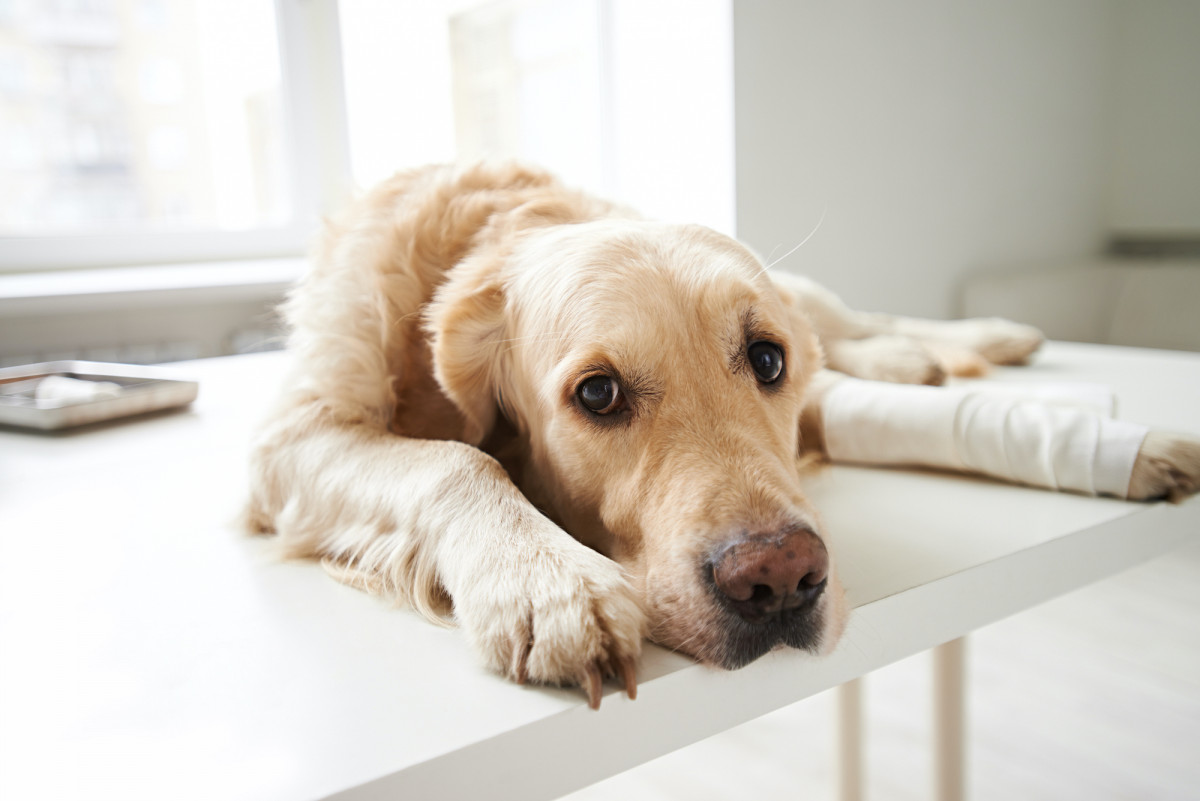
{"points": [[940, 137], [1156, 160], [672, 105]]}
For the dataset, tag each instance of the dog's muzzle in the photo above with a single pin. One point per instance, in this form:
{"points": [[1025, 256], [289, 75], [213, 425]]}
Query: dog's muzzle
{"points": [[769, 587]]}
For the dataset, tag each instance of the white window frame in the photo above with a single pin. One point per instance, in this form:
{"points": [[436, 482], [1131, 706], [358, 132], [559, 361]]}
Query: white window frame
{"points": [[317, 157]]}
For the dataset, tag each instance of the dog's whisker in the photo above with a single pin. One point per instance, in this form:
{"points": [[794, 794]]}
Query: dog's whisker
{"points": [[546, 335], [802, 242], [532, 338], [671, 621]]}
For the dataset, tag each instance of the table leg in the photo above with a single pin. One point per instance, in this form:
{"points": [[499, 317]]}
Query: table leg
{"points": [[949, 720], [851, 768]]}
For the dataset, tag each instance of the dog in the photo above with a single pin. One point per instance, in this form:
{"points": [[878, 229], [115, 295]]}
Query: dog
{"points": [[570, 429]]}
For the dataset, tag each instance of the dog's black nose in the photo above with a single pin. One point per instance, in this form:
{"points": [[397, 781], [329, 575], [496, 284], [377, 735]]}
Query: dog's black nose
{"points": [[761, 575]]}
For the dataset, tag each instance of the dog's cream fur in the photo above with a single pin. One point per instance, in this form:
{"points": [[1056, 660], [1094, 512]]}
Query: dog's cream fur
{"points": [[430, 446]]}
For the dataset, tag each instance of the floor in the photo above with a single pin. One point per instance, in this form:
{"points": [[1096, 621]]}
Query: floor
{"points": [[1095, 695]]}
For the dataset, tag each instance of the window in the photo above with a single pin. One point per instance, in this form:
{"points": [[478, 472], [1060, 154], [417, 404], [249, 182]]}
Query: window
{"points": [[153, 115], [632, 99], [144, 131], [176, 133], [140, 127]]}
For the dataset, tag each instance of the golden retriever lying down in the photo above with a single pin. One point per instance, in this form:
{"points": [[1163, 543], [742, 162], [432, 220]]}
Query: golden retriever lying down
{"points": [[573, 429]]}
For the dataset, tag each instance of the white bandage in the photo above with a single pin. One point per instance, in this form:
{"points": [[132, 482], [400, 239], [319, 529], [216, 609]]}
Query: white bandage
{"points": [[1095, 398], [998, 434]]}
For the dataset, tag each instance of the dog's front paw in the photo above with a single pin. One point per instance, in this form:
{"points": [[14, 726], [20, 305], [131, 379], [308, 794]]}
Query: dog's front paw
{"points": [[563, 617], [998, 340], [1167, 466]]}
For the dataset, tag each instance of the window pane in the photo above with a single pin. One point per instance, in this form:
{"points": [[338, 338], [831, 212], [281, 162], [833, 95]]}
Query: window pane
{"points": [[434, 81], [632, 99], [140, 114], [527, 84]]}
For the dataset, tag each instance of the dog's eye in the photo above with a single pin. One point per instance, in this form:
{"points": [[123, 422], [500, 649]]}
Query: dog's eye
{"points": [[599, 394], [767, 360]]}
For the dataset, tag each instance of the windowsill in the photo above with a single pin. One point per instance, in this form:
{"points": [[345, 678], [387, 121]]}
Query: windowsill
{"points": [[48, 293]]}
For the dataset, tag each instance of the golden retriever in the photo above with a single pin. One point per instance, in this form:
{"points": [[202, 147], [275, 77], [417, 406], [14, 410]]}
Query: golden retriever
{"points": [[571, 428]]}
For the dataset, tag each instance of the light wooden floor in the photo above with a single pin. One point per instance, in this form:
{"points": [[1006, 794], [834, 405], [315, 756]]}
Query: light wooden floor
{"points": [[1093, 696]]}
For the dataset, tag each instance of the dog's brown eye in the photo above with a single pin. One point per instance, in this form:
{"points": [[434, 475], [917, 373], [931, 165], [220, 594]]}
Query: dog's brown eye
{"points": [[599, 394], [767, 360]]}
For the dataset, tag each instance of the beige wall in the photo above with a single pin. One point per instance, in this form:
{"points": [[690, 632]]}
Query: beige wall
{"points": [[1156, 159], [939, 138]]}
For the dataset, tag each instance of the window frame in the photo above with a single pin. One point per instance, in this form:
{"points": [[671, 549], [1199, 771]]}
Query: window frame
{"points": [[317, 157]]}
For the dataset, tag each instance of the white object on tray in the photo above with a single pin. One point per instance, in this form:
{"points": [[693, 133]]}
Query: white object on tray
{"points": [[55, 395]]}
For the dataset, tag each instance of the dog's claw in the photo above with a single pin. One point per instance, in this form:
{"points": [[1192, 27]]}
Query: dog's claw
{"points": [[591, 683], [627, 670]]}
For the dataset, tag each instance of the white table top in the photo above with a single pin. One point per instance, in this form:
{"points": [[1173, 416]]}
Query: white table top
{"points": [[148, 650]]}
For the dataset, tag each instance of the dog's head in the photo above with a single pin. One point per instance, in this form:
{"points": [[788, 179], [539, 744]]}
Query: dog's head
{"points": [[653, 377]]}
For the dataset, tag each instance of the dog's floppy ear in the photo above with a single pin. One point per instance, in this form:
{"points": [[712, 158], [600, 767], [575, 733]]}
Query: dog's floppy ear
{"points": [[466, 326]]}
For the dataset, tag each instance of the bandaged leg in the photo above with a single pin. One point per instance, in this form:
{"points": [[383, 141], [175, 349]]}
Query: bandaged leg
{"points": [[997, 434]]}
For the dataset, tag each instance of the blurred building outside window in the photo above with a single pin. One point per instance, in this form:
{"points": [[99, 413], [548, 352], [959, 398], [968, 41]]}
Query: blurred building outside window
{"points": [[134, 116], [630, 99], [175, 121], [190, 144]]}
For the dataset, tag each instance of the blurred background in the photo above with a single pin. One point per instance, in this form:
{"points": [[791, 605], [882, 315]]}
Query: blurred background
{"points": [[165, 163]]}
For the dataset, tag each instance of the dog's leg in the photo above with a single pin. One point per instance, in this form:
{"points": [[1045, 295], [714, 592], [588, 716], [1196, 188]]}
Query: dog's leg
{"points": [[905, 350], [997, 340], [434, 523], [896, 359], [999, 435]]}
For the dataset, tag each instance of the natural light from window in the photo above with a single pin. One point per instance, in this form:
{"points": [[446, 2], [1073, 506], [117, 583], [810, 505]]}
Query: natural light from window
{"points": [[128, 126], [140, 115], [632, 99]]}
